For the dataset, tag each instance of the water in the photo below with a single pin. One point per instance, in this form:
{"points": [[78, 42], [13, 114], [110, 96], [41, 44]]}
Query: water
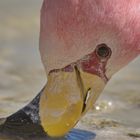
{"points": [[117, 113]]}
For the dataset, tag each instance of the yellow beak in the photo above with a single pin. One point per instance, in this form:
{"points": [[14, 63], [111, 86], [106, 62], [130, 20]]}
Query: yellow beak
{"points": [[66, 98]]}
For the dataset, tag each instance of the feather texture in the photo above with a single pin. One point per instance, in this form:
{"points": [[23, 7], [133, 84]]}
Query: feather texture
{"points": [[70, 29]]}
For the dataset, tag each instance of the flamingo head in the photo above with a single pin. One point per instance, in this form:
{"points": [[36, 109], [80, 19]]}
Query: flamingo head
{"points": [[82, 44]]}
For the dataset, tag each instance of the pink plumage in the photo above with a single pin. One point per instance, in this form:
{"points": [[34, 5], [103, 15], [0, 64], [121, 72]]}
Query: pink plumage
{"points": [[71, 29]]}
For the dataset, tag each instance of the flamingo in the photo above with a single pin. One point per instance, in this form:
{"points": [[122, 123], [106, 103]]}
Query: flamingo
{"points": [[83, 43]]}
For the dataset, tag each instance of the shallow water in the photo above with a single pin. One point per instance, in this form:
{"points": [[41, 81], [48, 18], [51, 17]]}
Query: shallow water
{"points": [[116, 114]]}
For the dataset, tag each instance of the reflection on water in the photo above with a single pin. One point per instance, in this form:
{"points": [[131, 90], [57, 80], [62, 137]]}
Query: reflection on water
{"points": [[117, 112]]}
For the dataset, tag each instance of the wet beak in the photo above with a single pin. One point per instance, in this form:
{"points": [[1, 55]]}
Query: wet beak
{"points": [[67, 96]]}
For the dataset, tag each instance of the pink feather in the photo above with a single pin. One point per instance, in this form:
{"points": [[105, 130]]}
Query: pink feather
{"points": [[71, 29]]}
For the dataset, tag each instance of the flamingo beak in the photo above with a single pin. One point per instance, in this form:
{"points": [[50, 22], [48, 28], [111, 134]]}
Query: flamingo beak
{"points": [[66, 98]]}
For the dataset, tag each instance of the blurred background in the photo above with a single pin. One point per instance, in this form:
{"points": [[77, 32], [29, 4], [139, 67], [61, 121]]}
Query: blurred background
{"points": [[22, 76], [21, 71]]}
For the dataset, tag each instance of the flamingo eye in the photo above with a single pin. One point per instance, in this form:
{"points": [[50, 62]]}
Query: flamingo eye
{"points": [[103, 51]]}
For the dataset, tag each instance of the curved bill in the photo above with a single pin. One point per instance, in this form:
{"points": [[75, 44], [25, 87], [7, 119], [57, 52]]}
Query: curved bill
{"points": [[67, 97]]}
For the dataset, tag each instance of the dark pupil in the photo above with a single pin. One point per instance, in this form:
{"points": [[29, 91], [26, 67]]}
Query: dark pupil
{"points": [[103, 50]]}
